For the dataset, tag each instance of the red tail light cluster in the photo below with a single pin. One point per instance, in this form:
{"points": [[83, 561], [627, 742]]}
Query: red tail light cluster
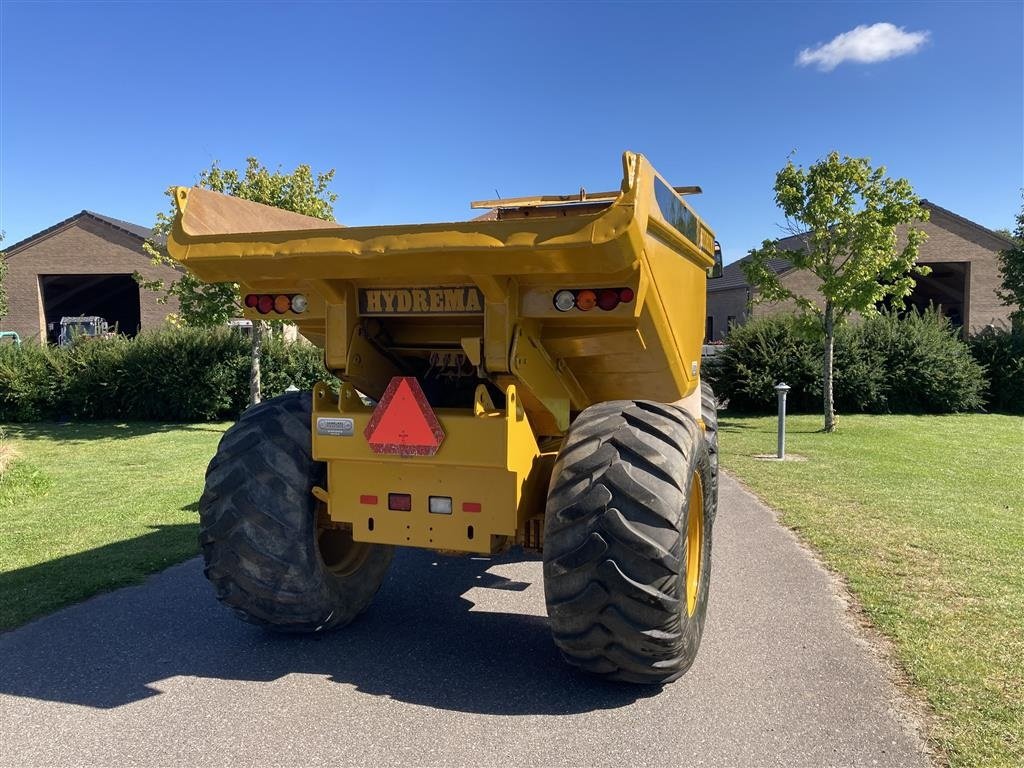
{"points": [[265, 303], [588, 298]]}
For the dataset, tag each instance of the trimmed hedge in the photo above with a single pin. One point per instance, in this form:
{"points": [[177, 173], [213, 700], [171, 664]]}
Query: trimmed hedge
{"points": [[758, 355], [1001, 351], [182, 375], [912, 363]]}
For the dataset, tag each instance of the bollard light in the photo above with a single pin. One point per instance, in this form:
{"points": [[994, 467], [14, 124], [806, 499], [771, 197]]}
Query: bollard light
{"points": [[781, 389]]}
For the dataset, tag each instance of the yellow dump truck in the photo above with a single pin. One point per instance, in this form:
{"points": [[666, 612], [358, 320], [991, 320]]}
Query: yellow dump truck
{"points": [[528, 378]]}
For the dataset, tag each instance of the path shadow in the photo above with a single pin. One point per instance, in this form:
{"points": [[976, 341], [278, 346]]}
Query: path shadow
{"points": [[47, 586], [421, 642], [87, 431]]}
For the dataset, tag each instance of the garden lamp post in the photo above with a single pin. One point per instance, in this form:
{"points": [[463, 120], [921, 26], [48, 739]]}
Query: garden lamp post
{"points": [[781, 389]]}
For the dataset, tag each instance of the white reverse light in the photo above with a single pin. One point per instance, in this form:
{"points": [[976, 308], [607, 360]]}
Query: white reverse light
{"points": [[440, 505], [565, 300], [299, 303]]}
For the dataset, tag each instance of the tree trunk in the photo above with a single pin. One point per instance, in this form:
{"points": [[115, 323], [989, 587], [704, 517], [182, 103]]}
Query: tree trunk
{"points": [[258, 327], [830, 330]]}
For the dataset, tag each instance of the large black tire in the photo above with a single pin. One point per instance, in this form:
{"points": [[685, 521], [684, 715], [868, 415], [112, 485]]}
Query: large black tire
{"points": [[270, 552], [709, 415], [616, 552]]}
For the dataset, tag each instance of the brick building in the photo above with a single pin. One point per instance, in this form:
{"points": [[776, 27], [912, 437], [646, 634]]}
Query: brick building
{"points": [[82, 266], [963, 281]]}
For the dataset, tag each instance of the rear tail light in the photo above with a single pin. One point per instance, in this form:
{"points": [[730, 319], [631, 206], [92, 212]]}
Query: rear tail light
{"points": [[400, 502], [265, 303], [586, 299], [608, 299]]}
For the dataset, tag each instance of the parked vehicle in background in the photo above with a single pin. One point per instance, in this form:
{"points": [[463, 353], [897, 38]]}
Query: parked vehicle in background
{"points": [[240, 326], [73, 328]]}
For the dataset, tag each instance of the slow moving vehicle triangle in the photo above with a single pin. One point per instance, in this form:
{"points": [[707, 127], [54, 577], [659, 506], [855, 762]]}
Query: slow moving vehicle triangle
{"points": [[403, 422]]}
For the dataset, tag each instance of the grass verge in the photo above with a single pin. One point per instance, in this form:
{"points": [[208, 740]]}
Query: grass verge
{"points": [[924, 517], [89, 507]]}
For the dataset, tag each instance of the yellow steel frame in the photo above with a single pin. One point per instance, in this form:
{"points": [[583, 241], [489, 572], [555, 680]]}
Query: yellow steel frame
{"points": [[489, 457]]}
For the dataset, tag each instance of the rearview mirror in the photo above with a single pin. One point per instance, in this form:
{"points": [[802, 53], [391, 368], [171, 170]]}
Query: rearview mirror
{"points": [[716, 271]]}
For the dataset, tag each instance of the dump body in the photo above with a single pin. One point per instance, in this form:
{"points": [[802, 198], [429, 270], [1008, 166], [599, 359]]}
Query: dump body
{"points": [[469, 311]]}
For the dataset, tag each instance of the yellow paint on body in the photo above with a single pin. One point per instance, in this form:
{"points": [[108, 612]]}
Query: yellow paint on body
{"points": [[378, 295]]}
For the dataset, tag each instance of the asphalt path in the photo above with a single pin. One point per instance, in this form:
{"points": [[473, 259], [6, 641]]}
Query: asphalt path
{"points": [[454, 665]]}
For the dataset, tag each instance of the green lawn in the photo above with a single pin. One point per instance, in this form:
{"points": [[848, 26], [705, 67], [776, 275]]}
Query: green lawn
{"points": [[924, 517], [89, 507]]}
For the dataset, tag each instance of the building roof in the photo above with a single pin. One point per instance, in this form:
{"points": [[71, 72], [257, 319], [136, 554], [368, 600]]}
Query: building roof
{"points": [[733, 277], [136, 230], [144, 233], [973, 225]]}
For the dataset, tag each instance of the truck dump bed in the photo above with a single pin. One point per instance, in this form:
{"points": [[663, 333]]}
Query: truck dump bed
{"points": [[633, 262]]}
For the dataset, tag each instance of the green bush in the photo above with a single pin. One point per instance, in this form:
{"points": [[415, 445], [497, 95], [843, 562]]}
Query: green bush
{"points": [[1001, 351], [912, 363], [32, 380], [909, 363], [185, 375], [284, 364], [761, 353], [168, 375]]}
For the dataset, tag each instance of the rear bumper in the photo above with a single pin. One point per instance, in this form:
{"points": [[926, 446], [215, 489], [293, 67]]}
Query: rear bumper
{"points": [[488, 464]]}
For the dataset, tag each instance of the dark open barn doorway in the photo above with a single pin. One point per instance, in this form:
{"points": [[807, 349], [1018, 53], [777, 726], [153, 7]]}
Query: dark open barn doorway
{"points": [[945, 289], [115, 298]]}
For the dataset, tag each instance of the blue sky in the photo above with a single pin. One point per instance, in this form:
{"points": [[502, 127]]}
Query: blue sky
{"points": [[424, 107]]}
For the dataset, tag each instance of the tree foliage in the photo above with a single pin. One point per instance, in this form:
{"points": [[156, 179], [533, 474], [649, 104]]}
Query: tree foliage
{"points": [[1011, 270], [211, 304], [844, 214]]}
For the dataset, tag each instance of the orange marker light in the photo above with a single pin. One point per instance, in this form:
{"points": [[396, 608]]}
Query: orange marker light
{"points": [[586, 300], [282, 304]]}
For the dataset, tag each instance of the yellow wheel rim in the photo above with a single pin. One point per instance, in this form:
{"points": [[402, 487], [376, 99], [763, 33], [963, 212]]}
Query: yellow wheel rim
{"points": [[694, 541], [339, 552]]}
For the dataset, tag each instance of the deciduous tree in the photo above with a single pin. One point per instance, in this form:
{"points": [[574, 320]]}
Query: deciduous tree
{"points": [[844, 213], [211, 304], [1011, 270]]}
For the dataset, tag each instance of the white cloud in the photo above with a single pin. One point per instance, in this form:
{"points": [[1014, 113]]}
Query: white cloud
{"points": [[863, 44]]}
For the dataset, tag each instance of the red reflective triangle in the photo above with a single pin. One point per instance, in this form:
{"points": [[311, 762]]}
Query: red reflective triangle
{"points": [[403, 422]]}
